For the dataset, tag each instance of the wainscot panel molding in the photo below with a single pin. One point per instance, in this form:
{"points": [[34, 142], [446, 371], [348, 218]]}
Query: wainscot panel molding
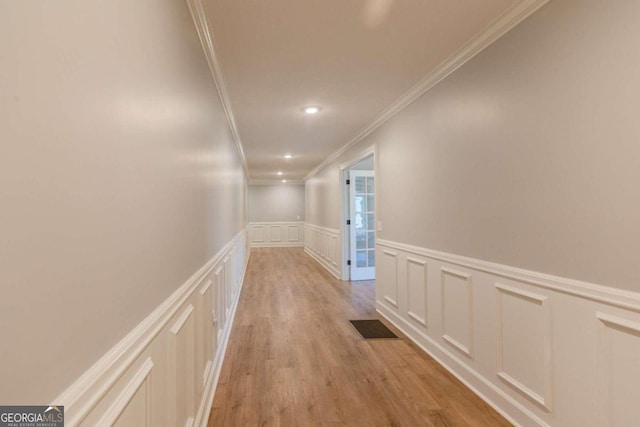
{"points": [[322, 244], [618, 370], [276, 234], [165, 371], [542, 350]]}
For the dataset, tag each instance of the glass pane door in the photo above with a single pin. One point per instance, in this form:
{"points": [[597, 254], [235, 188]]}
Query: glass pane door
{"points": [[363, 235]]}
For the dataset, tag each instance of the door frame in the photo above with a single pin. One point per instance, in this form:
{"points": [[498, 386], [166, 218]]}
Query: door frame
{"points": [[344, 204]]}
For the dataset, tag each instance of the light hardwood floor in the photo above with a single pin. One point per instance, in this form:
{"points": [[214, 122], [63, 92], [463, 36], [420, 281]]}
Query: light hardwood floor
{"points": [[294, 359]]}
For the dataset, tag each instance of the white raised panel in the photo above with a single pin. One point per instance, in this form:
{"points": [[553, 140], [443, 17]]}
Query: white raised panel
{"points": [[321, 245], [276, 233], [334, 245], [120, 389], [257, 233], [182, 367], [540, 355], [389, 277], [293, 233], [206, 327], [524, 343], [132, 407], [227, 287], [218, 277], [417, 290], [457, 310], [618, 371]]}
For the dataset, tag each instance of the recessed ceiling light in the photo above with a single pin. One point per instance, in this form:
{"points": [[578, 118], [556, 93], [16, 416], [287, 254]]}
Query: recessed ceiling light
{"points": [[288, 156], [284, 180], [311, 109], [279, 173]]}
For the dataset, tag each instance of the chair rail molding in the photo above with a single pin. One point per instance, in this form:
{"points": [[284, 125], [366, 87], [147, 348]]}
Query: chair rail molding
{"points": [[276, 234], [518, 338], [323, 245], [120, 383]]}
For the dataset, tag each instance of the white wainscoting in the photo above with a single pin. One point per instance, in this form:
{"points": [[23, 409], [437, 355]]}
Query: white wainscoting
{"points": [[276, 234], [542, 350], [165, 371], [323, 245]]}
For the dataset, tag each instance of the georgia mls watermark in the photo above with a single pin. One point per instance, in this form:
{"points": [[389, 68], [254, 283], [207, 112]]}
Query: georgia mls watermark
{"points": [[32, 416]]}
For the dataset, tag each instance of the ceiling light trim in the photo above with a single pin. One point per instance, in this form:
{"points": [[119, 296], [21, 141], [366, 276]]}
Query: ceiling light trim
{"points": [[496, 29], [207, 41], [311, 109]]}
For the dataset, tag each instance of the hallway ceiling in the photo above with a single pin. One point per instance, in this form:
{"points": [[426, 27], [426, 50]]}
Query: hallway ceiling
{"points": [[353, 58]]}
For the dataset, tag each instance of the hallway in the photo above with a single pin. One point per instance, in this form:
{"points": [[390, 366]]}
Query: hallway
{"points": [[293, 359]]}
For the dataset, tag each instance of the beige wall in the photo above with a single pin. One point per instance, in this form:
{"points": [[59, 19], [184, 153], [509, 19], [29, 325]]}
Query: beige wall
{"points": [[279, 202], [118, 179], [526, 156], [322, 198], [365, 164]]}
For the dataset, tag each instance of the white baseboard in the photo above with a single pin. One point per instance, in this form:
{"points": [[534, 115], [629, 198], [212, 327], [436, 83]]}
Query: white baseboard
{"points": [[170, 348], [322, 262], [202, 417], [494, 397], [323, 245], [542, 350], [276, 234], [277, 245]]}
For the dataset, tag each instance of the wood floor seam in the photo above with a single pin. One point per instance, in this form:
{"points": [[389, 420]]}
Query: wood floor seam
{"points": [[294, 359]]}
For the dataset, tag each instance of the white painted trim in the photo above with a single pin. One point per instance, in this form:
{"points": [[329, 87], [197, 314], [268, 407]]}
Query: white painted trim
{"points": [[118, 406], [516, 14], [606, 322], [369, 151], [208, 44], [465, 349], [504, 404], [569, 343], [598, 293], [277, 245], [179, 324], [618, 322], [202, 416], [324, 255], [519, 292], [267, 239], [81, 397], [546, 401], [206, 287], [392, 301], [321, 228], [421, 263], [343, 175], [334, 272]]}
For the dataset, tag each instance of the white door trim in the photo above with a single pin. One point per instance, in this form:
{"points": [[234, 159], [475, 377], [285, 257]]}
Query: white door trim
{"points": [[344, 203]]}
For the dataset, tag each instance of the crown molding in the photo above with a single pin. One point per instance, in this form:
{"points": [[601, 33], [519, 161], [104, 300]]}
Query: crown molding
{"points": [[206, 39], [496, 29]]}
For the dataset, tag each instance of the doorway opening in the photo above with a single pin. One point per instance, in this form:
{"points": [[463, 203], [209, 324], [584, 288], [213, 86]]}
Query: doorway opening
{"points": [[359, 219]]}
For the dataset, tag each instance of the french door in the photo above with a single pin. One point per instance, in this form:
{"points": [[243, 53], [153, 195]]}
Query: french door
{"points": [[362, 227]]}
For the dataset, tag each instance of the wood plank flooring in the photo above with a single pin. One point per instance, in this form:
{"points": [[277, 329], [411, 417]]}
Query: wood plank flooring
{"points": [[294, 359]]}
